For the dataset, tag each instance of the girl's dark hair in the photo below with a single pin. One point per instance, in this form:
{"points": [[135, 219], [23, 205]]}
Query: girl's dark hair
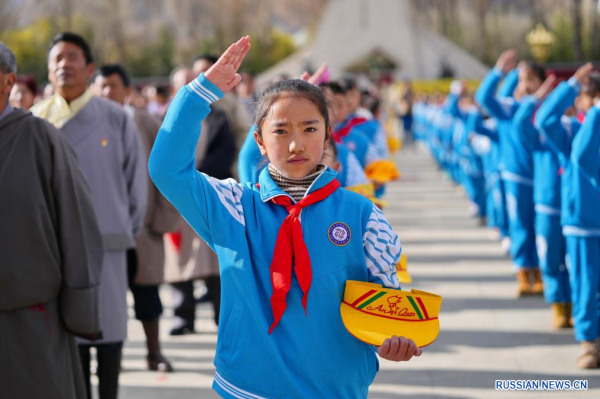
{"points": [[370, 102], [334, 148], [290, 88], [537, 69], [335, 87], [349, 82], [592, 88]]}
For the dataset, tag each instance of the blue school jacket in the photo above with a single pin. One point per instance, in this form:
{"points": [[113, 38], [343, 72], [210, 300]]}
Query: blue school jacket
{"points": [[249, 159], [310, 356], [376, 135], [517, 152], [359, 144], [578, 156], [350, 173], [547, 170], [491, 158], [583, 173]]}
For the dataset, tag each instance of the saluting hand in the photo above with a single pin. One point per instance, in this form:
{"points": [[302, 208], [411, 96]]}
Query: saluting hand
{"points": [[315, 78], [546, 87], [583, 73], [223, 73], [398, 349], [507, 61]]}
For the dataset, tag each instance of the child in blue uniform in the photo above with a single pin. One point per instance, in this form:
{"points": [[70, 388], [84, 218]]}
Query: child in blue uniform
{"points": [[517, 166], [546, 183], [280, 318], [578, 150]]}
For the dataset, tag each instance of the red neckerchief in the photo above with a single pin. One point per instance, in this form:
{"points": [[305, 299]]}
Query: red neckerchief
{"points": [[343, 131], [290, 245]]}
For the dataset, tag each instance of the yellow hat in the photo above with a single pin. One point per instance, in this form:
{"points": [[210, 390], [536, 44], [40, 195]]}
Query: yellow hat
{"points": [[402, 270], [382, 171], [372, 313]]}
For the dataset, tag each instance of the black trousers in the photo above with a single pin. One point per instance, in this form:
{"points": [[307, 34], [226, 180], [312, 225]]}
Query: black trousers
{"points": [[184, 301], [109, 367], [146, 300]]}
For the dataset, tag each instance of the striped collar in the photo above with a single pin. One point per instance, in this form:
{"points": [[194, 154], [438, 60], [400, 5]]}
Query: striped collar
{"points": [[270, 189]]}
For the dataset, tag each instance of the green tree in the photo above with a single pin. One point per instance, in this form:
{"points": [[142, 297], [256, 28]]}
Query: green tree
{"points": [[265, 54], [30, 44], [154, 59]]}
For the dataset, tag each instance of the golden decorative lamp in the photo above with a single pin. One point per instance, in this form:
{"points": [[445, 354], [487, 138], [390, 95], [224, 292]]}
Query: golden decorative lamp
{"points": [[540, 41]]}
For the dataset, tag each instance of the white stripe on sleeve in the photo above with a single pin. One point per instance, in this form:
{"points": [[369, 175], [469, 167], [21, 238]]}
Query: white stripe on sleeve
{"points": [[202, 91], [230, 194], [356, 174], [382, 249]]}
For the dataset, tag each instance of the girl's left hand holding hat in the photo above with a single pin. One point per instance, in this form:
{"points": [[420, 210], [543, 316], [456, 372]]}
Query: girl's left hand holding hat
{"points": [[398, 349]]}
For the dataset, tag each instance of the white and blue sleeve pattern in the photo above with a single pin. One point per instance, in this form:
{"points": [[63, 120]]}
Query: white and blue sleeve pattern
{"points": [[382, 250], [355, 174], [380, 142], [507, 105], [372, 154], [198, 88], [230, 195]]}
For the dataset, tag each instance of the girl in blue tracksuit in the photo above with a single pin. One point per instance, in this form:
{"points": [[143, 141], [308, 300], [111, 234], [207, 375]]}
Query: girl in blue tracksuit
{"points": [[549, 239], [578, 150], [517, 166], [277, 320], [473, 165], [486, 142]]}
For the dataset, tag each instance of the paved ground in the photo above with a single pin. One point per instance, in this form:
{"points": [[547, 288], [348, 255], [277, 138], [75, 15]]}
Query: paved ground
{"points": [[487, 334]]}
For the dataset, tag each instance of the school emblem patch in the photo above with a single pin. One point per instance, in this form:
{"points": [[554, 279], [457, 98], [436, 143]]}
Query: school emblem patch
{"points": [[339, 234]]}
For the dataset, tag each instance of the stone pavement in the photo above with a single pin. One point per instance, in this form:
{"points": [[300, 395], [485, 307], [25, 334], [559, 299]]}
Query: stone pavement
{"points": [[486, 334]]}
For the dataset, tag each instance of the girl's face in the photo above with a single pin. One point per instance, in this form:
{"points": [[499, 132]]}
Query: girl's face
{"points": [[529, 82], [293, 136], [337, 109], [585, 102]]}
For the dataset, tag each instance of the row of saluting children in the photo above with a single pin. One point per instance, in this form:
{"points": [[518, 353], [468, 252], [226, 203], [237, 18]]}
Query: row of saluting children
{"points": [[528, 156]]}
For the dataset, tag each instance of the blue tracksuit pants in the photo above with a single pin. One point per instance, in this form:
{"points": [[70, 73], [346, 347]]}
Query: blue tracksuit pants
{"points": [[551, 250], [496, 207], [583, 254], [521, 222]]}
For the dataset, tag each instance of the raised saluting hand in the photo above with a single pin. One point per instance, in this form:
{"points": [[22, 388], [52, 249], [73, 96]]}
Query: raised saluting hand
{"points": [[546, 87], [223, 73], [507, 61], [315, 78], [583, 73]]}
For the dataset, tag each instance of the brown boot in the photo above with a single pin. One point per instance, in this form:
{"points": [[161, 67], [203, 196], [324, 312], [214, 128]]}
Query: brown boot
{"points": [[523, 285], [537, 288], [589, 356], [561, 315]]}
